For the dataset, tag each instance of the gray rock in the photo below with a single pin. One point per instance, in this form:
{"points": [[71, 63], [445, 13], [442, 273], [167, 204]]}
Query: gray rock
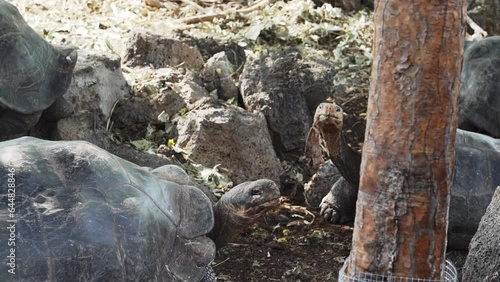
{"points": [[351, 5], [45, 127], [317, 78], [286, 90], [98, 83], [167, 101], [234, 53], [479, 99], [81, 127], [97, 87], [144, 49], [321, 183], [232, 137], [216, 76], [134, 113], [192, 90], [483, 260]]}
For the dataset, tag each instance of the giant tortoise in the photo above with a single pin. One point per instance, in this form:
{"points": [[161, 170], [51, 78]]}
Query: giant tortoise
{"points": [[477, 167], [479, 99], [33, 73], [79, 213]]}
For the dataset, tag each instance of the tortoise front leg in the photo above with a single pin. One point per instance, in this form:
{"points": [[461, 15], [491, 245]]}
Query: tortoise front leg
{"points": [[339, 205]]}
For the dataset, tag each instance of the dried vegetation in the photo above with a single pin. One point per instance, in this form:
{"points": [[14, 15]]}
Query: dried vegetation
{"points": [[263, 26]]}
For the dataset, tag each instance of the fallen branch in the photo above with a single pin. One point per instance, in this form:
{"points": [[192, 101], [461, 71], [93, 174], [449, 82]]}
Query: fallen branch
{"points": [[477, 29], [294, 210], [204, 18], [193, 4], [157, 4], [220, 263], [109, 123]]}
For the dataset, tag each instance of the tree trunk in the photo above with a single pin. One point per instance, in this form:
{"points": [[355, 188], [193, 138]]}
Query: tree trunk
{"points": [[408, 154]]}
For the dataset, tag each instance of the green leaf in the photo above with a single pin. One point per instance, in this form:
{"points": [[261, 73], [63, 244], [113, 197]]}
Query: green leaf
{"points": [[142, 145], [150, 130], [323, 117], [282, 240], [163, 117]]}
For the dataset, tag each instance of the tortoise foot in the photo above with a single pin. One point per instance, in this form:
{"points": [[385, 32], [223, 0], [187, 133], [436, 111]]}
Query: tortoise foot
{"points": [[339, 205]]}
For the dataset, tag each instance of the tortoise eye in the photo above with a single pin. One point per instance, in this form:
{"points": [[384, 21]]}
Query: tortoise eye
{"points": [[256, 192], [338, 109]]}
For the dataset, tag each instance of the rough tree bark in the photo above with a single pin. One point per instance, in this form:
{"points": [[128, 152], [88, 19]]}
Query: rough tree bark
{"points": [[408, 154]]}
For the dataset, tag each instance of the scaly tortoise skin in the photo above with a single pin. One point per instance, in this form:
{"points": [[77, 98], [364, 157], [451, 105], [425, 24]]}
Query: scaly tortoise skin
{"points": [[84, 214], [33, 72], [477, 167]]}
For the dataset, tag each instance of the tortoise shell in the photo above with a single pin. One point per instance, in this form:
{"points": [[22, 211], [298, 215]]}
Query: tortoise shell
{"points": [[82, 213], [479, 99], [33, 72]]}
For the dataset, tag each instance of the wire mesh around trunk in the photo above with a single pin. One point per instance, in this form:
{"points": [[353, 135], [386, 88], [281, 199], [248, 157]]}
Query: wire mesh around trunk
{"points": [[450, 275]]}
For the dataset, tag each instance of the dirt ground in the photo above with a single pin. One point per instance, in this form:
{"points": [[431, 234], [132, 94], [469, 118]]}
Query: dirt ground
{"points": [[283, 248]]}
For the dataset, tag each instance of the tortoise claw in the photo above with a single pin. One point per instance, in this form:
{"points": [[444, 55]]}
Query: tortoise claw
{"points": [[330, 213], [339, 205]]}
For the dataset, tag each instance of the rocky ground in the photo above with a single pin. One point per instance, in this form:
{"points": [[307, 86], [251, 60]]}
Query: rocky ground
{"points": [[293, 243]]}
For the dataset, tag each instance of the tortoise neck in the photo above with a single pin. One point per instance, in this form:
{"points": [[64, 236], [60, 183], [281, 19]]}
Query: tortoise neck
{"points": [[331, 137], [346, 159], [348, 162], [227, 225]]}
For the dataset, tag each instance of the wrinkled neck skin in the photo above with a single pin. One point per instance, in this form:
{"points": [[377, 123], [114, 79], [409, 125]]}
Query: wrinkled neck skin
{"points": [[350, 161], [330, 137], [346, 159], [227, 225]]}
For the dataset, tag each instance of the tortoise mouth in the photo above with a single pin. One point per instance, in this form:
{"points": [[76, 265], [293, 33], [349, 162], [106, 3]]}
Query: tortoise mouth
{"points": [[329, 119], [250, 200], [329, 114], [257, 208]]}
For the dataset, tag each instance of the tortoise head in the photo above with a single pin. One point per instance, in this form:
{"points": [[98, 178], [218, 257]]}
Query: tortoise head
{"points": [[325, 133], [241, 207], [250, 200], [328, 116]]}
